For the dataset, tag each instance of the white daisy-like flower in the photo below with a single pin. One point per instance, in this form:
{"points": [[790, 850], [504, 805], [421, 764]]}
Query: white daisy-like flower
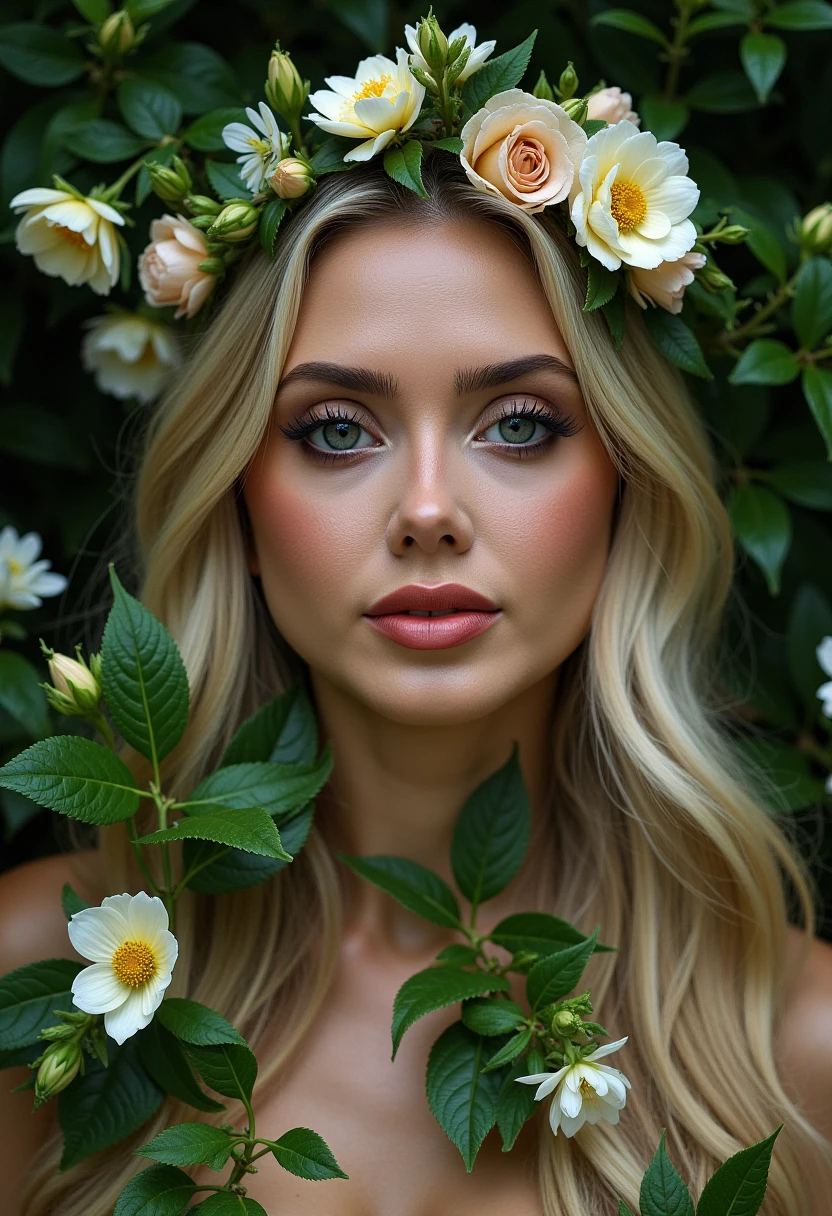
{"points": [[70, 237], [478, 56], [23, 579], [584, 1092], [377, 104], [824, 653], [632, 197], [132, 953], [261, 148]]}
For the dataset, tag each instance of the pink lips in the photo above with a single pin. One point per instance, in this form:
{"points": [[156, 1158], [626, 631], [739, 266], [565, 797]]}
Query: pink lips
{"points": [[469, 614]]}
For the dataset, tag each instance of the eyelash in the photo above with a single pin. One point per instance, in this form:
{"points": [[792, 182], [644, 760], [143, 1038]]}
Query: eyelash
{"points": [[558, 425]]}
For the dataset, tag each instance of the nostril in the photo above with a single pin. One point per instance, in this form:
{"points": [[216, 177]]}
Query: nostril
{"points": [[408, 540], [449, 539]]}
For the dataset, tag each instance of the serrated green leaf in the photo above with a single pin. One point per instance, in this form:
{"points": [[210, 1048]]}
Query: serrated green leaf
{"points": [[226, 181], [591, 127], [816, 383], [329, 157], [106, 1105], [166, 1062], [491, 834], [306, 1155], [249, 828], [538, 932], [75, 777], [219, 870], [763, 57], [812, 306], [270, 220], [632, 23], [70, 902], [509, 1051], [614, 314], [497, 75], [280, 789], [224, 1203], [283, 731], [457, 955], [623, 1209], [676, 341], [205, 133], [436, 988], [601, 285], [492, 1016], [801, 15], [412, 885], [463, 1098], [451, 144], [515, 1103], [39, 54], [228, 1068], [29, 997], [763, 527], [189, 1144], [148, 108], [557, 974], [663, 1193], [143, 677], [195, 1023], [404, 165], [161, 1190], [738, 1187], [21, 695]]}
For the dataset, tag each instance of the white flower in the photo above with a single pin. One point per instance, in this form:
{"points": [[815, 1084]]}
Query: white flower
{"points": [[666, 284], [824, 653], [584, 1092], [23, 580], [632, 197], [169, 267], [133, 954], [262, 148], [129, 355], [377, 104], [611, 105], [477, 58], [70, 237]]}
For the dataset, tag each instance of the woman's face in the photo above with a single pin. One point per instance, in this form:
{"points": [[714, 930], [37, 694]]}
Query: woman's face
{"points": [[429, 438]]}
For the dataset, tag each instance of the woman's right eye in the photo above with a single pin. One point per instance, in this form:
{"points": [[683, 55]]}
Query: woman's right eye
{"points": [[339, 436]]}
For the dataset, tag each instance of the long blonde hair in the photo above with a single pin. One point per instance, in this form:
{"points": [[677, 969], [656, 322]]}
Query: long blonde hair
{"points": [[664, 844]]}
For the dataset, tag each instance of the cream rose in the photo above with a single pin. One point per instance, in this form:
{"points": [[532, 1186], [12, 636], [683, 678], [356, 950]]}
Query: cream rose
{"points": [[665, 285], [70, 236], [524, 148], [169, 267], [612, 105]]}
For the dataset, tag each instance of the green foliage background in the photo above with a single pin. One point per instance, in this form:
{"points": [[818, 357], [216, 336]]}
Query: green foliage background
{"points": [[748, 95]]}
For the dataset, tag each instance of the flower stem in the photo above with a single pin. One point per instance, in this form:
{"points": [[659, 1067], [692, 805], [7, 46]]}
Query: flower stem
{"points": [[112, 193], [785, 291], [137, 849], [676, 52]]}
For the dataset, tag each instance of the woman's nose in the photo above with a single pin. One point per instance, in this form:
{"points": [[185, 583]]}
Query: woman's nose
{"points": [[428, 514]]}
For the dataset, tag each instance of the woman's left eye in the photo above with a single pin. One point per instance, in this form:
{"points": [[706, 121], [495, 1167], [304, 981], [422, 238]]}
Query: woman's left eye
{"points": [[339, 435], [517, 429]]}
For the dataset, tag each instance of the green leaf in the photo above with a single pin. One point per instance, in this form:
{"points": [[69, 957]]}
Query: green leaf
{"points": [[30, 995], [538, 932], [613, 312], [491, 834], [270, 219], [558, 973], [166, 1062], [106, 1105], [816, 383], [329, 157], [498, 74], [812, 306], [70, 902], [601, 285], [765, 361], [515, 1103], [715, 21], [633, 23], [404, 165], [763, 242], [195, 1023], [226, 181], [436, 988], [663, 1193], [463, 1098], [95, 11], [414, 886], [143, 677], [810, 620], [205, 132], [39, 54], [284, 731], [623, 1209], [763, 527], [228, 1068], [801, 15], [199, 76], [224, 1203], [722, 93], [148, 107], [739, 1185], [676, 341], [591, 127], [806, 482], [158, 1191], [666, 119], [306, 1155], [279, 788], [189, 1144], [510, 1050], [75, 777], [457, 955], [452, 144], [249, 828], [21, 694], [140, 10], [763, 57], [218, 870], [103, 141], [492, 1015]]}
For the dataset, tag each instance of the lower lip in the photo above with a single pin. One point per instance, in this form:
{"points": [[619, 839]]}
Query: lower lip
{"points": [[433, 632]]}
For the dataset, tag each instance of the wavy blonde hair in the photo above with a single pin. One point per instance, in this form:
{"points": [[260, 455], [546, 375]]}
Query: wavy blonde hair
{"points": [[665, 846]]}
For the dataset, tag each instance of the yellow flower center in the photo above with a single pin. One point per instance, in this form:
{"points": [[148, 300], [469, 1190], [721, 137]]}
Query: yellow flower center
{"points": [[629, 206], [71, 236], [134, 963], [587, 1092], [15, 567], [373, 88], [259, 146]]}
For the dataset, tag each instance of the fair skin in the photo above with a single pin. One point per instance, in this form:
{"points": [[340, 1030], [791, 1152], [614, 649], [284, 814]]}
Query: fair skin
{"points": [[433, 493]]}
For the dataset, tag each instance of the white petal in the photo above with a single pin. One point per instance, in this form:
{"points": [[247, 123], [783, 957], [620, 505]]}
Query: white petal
{"points": [[238, 137], [569, 1126], [655, 226], [97, 990], [554, 1115], [352, 130], [329, 104], [96, 933], [167, 952], [570, 1102], [147, 917], [823, 652], [123, 1022], [105, 211], [379, 115], [370, 147], [39, 196], [152, 993], [607, 1049], [373, 68], [344, 87], [48, 584], [676, 197], [28, 547]]}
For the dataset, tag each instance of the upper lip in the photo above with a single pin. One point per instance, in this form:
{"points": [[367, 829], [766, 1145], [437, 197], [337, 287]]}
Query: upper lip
{"points": [[441, 598]]}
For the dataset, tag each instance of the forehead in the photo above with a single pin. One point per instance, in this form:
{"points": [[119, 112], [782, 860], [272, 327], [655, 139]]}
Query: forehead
{"points": [[461, 292]]}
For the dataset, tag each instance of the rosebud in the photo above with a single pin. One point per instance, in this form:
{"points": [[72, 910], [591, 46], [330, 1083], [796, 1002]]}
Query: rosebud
{"points": [[200, 204], [76, 688], [712, 278], [432, 44], [815, 231], [59, 1066], [543, 89], [170, 182], [568, 83], [292, 178], [117, 33], [286, 91], [235, 222], [733, 234], [565, 1022], [577, 109]]}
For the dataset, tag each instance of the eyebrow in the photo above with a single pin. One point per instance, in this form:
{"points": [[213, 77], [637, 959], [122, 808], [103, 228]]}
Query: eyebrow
{"points": [[358, 379], [475, 379]]}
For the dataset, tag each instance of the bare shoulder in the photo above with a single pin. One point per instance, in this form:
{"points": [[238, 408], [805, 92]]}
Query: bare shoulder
{"points": [[32, 922]]}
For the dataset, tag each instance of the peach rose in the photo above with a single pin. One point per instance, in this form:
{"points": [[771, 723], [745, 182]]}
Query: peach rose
{"points": [[665, 285], [612, 105], [524, 148], [169, 267]]}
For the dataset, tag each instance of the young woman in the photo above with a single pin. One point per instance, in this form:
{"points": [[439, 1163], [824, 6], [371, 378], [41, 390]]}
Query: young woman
{"points": [[409, 402]]}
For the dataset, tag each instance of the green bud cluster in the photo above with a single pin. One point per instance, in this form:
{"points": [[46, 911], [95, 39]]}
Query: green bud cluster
{"points": [[237, 220], [170, 182], [286, 91], [75, 690]]}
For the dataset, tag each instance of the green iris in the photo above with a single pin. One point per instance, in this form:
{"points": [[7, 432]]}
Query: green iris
{"points": [[517, 429], [342, 435]]}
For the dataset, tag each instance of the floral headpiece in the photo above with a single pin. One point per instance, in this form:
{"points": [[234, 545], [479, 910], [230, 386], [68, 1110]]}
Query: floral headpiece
{"points": [[624, 196]]}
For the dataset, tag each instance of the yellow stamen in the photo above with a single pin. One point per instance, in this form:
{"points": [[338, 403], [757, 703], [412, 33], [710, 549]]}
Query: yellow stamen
{"points": [[133, 963], [587, 1092], [373, 88], [15, 567], [629, 206], [71, 236]]}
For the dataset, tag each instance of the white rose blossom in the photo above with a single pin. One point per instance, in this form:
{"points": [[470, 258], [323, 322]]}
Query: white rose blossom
{"points": [[612, 105], [129, 355], [477, 58], [23, 579], [133, 954], [584, 1092], [70, 237], [262, 147], [632, 197], [665, 285], [381, 101]]}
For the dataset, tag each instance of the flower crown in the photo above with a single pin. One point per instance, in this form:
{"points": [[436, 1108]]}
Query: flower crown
{"points": [[625, 197]]}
